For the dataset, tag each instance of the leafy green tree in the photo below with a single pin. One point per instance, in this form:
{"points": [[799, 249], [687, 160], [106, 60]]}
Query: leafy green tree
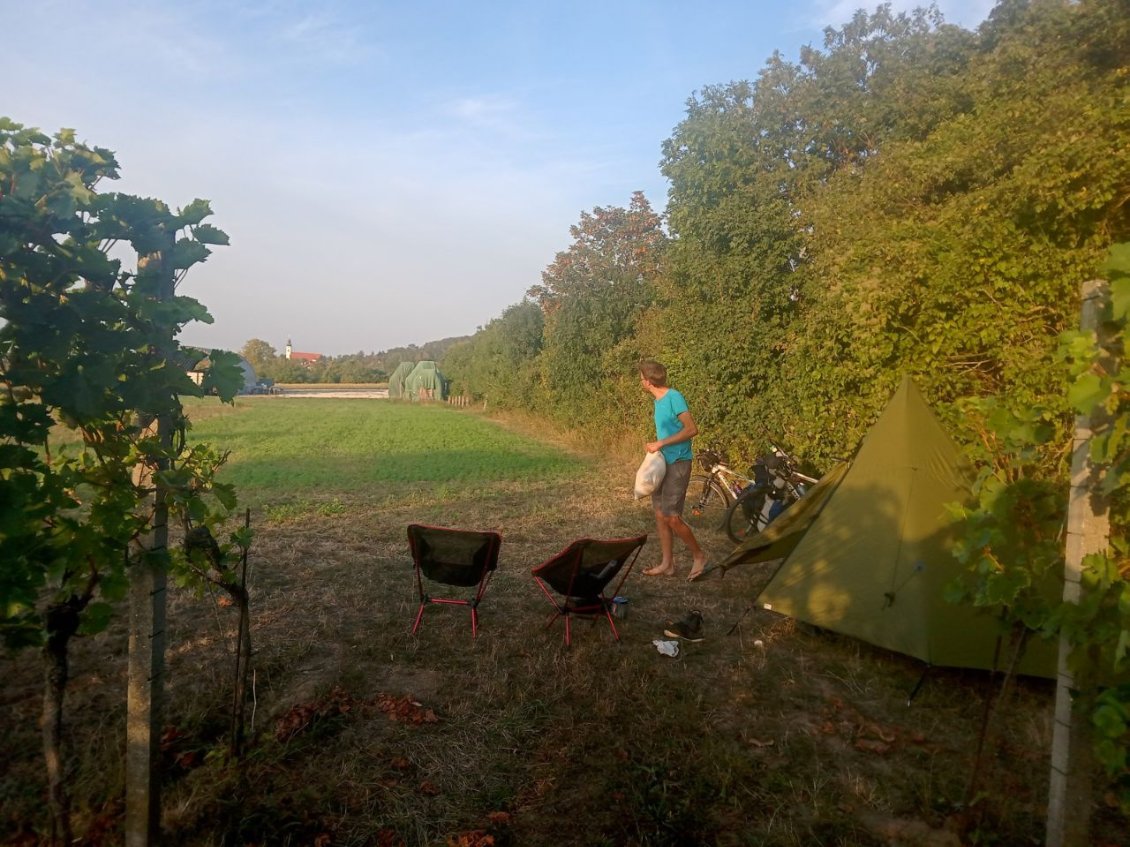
{"points": [[593, 296], [499, 362], [354, 369], [260, 354], [747, 165], [89, 360], [430, 351], [1013, 544], [286, 370], [955, 253]]}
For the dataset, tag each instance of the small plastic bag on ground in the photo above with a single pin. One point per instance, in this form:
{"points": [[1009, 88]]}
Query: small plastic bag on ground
{"points": [[650, 474]]}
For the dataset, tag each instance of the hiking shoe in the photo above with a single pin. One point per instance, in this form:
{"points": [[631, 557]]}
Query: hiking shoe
{"points": [[688, 629]]}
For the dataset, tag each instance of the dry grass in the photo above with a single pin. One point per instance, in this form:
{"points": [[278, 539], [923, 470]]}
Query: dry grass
{"points": [[804, 740]]}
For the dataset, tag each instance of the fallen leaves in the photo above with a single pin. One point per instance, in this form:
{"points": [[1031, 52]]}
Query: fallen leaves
{"points": [[840, 720], [404, 709], [389, 838], [866, 745], [338, 702], [475, 838]]}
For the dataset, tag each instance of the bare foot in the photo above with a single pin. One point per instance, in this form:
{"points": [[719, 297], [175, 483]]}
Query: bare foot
{"points": [[697, 569], [660, 570]]}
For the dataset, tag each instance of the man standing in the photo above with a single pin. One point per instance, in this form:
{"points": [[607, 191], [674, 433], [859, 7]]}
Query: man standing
{"points": [[674, 429]]}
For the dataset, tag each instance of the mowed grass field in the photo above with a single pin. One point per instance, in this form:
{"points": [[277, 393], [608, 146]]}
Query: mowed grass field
{"points": [[294, 455], [363, 734]]}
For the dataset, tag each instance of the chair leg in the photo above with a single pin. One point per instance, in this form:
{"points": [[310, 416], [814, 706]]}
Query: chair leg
{"points": [[568, 632], [419, 617], [612, 625], [474, 622]]}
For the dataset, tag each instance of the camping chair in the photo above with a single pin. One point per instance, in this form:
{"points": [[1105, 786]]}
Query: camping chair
{"points": [[579, 575], [456, 557]]}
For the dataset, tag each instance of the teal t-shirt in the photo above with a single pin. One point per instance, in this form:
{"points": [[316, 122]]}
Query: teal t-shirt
{"points": [[667, 423]]}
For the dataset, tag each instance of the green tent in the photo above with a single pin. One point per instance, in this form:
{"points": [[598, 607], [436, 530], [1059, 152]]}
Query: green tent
{"points": [[396, 381], [868, 550], [425, 383]]}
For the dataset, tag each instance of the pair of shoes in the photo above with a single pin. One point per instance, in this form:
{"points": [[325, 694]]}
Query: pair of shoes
{"points": [[688, 629]]}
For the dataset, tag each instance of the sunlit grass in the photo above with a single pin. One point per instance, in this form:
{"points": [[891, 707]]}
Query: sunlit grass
{"points": [[296, 448]]}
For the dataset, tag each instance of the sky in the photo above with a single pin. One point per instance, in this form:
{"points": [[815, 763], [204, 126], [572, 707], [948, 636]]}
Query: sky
{"points": [[390, 172]]}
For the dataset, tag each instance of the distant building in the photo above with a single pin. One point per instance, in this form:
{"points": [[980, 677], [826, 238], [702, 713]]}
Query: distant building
{"points": [[305, 358]]}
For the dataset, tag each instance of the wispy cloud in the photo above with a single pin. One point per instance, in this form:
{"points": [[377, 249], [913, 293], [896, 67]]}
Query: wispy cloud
{"points": [[324, 37], [483, 109], [493, 117]]}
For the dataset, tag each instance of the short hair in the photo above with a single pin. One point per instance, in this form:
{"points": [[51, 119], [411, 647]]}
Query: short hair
{"points": [[653, 372]]}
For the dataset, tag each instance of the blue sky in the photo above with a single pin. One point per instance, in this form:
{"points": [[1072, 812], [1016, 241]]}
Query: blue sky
{"points": [[390, 173]]}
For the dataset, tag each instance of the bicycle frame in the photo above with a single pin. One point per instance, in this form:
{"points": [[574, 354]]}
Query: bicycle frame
{"points": [[778, 486], [731, 482]]}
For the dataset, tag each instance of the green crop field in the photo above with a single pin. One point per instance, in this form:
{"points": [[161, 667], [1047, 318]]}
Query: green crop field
{"points": [[281, 449]]}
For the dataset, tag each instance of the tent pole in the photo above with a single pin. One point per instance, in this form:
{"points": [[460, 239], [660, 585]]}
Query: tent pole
{"points": [[738, 622], [753, 602], [918, 685]]}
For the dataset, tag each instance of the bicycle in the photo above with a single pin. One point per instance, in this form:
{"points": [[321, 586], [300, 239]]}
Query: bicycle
{"points": [[777, 484], [710, 495]]}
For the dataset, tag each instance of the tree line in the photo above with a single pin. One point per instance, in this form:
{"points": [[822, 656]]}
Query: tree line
{"points": [[910, 198], [360, 367]]}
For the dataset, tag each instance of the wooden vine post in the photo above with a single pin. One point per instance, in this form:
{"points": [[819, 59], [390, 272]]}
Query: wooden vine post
{"points": [[147, 600], [1088, 529]]}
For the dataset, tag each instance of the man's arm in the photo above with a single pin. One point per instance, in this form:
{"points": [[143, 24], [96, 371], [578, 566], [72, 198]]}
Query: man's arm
{"points": [[689, 431]]}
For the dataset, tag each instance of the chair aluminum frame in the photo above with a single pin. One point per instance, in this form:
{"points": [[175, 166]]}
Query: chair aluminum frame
{"points": [[572, 559], [416, 542]]}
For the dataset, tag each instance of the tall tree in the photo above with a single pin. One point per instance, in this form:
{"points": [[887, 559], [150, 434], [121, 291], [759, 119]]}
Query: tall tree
{"points": [[746, 165], [260, 354], [726, 293], [593, 295]]}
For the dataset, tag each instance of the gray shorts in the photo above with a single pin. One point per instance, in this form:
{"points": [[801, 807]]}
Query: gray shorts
{"points": [[669, 498]]}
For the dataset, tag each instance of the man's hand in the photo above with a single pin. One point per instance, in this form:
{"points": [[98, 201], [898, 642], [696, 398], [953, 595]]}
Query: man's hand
{"points": [[653, 446]]}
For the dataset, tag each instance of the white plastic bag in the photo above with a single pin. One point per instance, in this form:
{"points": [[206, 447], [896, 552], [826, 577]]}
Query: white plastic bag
{"points": [[650, 474]]}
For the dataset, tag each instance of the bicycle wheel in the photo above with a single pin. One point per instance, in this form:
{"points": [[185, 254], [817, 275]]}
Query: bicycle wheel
{"points": [[706, 505], [746, 516]]}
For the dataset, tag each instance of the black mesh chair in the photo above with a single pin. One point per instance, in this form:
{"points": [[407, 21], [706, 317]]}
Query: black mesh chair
{"points": [[453, 557], [576, 579]]}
